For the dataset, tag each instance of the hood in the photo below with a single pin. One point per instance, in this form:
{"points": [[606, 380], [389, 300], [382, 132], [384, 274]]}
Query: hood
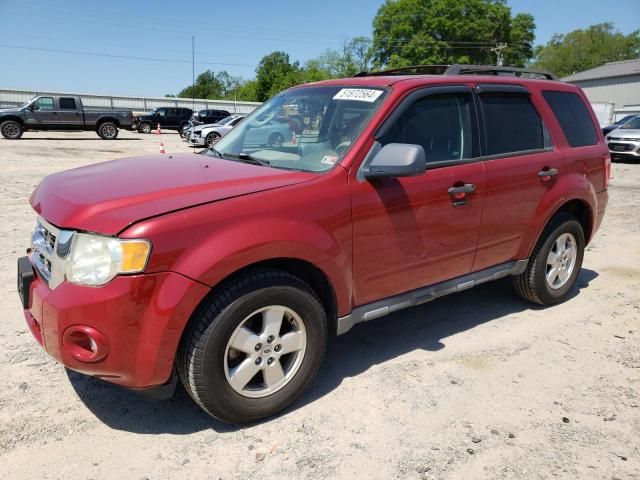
{"points": [[107, 197], [624, 133], [202, 126], [10, 110]]}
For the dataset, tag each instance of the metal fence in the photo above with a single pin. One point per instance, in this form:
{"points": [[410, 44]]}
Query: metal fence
{"points": [[12, 98]]}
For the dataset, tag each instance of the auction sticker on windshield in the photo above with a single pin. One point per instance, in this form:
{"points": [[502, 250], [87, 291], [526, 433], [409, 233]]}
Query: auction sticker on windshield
{"points": [[358, 94]]}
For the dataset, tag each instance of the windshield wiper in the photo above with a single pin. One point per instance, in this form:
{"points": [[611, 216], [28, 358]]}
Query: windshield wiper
{"points": [[216, 152], [246, 158]]}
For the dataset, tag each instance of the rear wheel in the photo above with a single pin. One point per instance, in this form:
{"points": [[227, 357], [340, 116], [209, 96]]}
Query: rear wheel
{"points": [[11, 129], [254, 347], [555, 262], [144, 127], [108, 131], [212, 138]]}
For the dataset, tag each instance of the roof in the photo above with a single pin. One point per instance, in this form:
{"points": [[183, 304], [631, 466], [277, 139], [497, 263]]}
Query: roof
{"points": [[608, 70], [419, 80]]}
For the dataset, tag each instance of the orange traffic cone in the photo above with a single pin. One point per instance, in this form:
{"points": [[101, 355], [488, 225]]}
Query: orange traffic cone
{"points": [[158, 131], [162, 152], [293, 138]]}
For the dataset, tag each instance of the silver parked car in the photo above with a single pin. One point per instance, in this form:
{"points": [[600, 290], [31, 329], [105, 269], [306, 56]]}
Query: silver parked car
{"points": [[206, 135], [624, 142]]}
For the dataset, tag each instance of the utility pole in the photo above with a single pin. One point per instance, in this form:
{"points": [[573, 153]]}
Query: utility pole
{"points": [[498, 51], [193, 74]]}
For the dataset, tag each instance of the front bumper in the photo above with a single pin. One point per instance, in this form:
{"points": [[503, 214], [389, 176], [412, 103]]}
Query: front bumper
{"points": [[134, 324], [196, 140], [619, 148]]}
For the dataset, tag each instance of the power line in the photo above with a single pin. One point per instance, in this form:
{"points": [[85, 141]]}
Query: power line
{"points": [[128, 57]]}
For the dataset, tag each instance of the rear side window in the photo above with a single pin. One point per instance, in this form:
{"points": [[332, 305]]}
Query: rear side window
{"points": [[67, 103], [573, 116], [512, 124]]}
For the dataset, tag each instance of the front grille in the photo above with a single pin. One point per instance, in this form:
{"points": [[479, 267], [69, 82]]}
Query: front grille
{"points": [[621, 147], [50, 246], [43, 244]]}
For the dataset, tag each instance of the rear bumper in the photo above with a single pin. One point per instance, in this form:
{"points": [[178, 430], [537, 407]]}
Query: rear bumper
{"points": [[602, 199], [135, 324]]}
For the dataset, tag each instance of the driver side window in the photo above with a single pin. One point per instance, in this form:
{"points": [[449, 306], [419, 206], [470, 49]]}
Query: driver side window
{"points": [[440, 123], [45, 103]]}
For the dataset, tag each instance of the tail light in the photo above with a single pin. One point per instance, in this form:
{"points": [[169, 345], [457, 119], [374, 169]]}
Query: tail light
{"points": [[607, 170]]}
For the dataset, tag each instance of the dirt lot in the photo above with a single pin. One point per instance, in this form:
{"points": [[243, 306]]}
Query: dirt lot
{"points": [[476, 385]]}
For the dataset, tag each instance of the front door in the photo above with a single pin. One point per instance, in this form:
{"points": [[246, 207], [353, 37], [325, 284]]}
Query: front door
{"points": [[43, 112], [412, 232]]}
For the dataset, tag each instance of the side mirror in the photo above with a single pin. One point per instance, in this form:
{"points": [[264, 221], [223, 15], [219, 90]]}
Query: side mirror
{"points": [[33, 107], [397, 160]]}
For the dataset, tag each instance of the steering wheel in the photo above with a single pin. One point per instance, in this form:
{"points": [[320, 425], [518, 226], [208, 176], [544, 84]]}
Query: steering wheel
{"points": [[341, 148], [258, 123]]}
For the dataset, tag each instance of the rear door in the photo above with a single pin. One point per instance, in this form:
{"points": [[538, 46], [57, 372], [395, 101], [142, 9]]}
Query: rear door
{"points": [[521, 165], [69, 113], [413, 231]]}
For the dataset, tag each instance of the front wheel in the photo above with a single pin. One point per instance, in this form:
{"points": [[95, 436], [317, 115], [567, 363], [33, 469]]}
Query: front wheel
{"points": [[212, 138], [254, 347], [555, 262], [276, 140], [108, 131], [11, 129]]}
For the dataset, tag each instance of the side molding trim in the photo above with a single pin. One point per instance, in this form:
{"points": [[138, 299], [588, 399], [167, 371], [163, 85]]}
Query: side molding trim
{"points": [[389, 305]]}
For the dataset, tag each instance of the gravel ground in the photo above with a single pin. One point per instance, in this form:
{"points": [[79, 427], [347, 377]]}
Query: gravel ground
{"points": [[475, 385]]}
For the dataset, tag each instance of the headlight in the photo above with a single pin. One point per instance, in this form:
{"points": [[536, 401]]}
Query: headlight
{"points": [[94, 260]]}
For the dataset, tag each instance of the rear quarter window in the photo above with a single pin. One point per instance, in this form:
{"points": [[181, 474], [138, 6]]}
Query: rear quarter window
{"points": [[573, 117]]}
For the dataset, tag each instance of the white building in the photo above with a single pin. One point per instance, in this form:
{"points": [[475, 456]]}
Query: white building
{"points": [[613, 88]]}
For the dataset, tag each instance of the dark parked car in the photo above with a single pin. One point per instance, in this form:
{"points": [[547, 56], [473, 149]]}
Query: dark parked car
{"points": [[52, 112], [168, 117], [209, 116], [617, 124]]}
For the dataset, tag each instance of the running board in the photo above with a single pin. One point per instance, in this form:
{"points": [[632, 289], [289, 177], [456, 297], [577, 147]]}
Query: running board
{"points": [[389, 305]]}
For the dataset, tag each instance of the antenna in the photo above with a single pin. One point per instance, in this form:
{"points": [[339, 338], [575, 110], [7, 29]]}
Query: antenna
{"points": [[498, 51]]}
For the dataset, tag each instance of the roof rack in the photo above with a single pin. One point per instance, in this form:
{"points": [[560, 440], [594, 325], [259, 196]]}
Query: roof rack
{"points": [[463, 70]]}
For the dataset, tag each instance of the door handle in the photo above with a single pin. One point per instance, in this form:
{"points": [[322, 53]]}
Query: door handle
{"points": [[546, 174], [459, 193]]}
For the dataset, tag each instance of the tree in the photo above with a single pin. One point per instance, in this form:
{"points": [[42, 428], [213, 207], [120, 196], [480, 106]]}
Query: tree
{"points": [[206, 86], [276, 73], [581, 50], [413, 32]]}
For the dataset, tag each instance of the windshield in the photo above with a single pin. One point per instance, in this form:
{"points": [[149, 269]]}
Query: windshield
{"points": [[307, 128], [225, 120], [633, 124]]}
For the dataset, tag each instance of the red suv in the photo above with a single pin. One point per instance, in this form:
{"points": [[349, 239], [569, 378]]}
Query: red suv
{"points": [[229, 269]]}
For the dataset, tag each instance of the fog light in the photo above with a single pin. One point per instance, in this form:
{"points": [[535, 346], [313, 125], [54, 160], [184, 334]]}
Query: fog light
{"points": [[85, 343]]}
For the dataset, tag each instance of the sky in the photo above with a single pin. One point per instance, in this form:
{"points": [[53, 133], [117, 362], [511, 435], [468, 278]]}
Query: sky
{"points": [[229, 35]]}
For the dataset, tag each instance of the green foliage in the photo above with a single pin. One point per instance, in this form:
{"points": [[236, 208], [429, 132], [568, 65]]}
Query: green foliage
{"points": [[412, 32], [581, 50], [274, 74]]}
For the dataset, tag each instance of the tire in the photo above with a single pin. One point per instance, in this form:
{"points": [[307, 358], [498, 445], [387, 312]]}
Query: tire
{"points": [[207, 361], [212, 138], [11, 129], [144, 127], [535, 283], [276, 140], [108, 131]]}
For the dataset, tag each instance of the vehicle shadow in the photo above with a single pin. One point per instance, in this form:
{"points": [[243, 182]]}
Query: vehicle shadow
{"points": [[423, 327]]}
